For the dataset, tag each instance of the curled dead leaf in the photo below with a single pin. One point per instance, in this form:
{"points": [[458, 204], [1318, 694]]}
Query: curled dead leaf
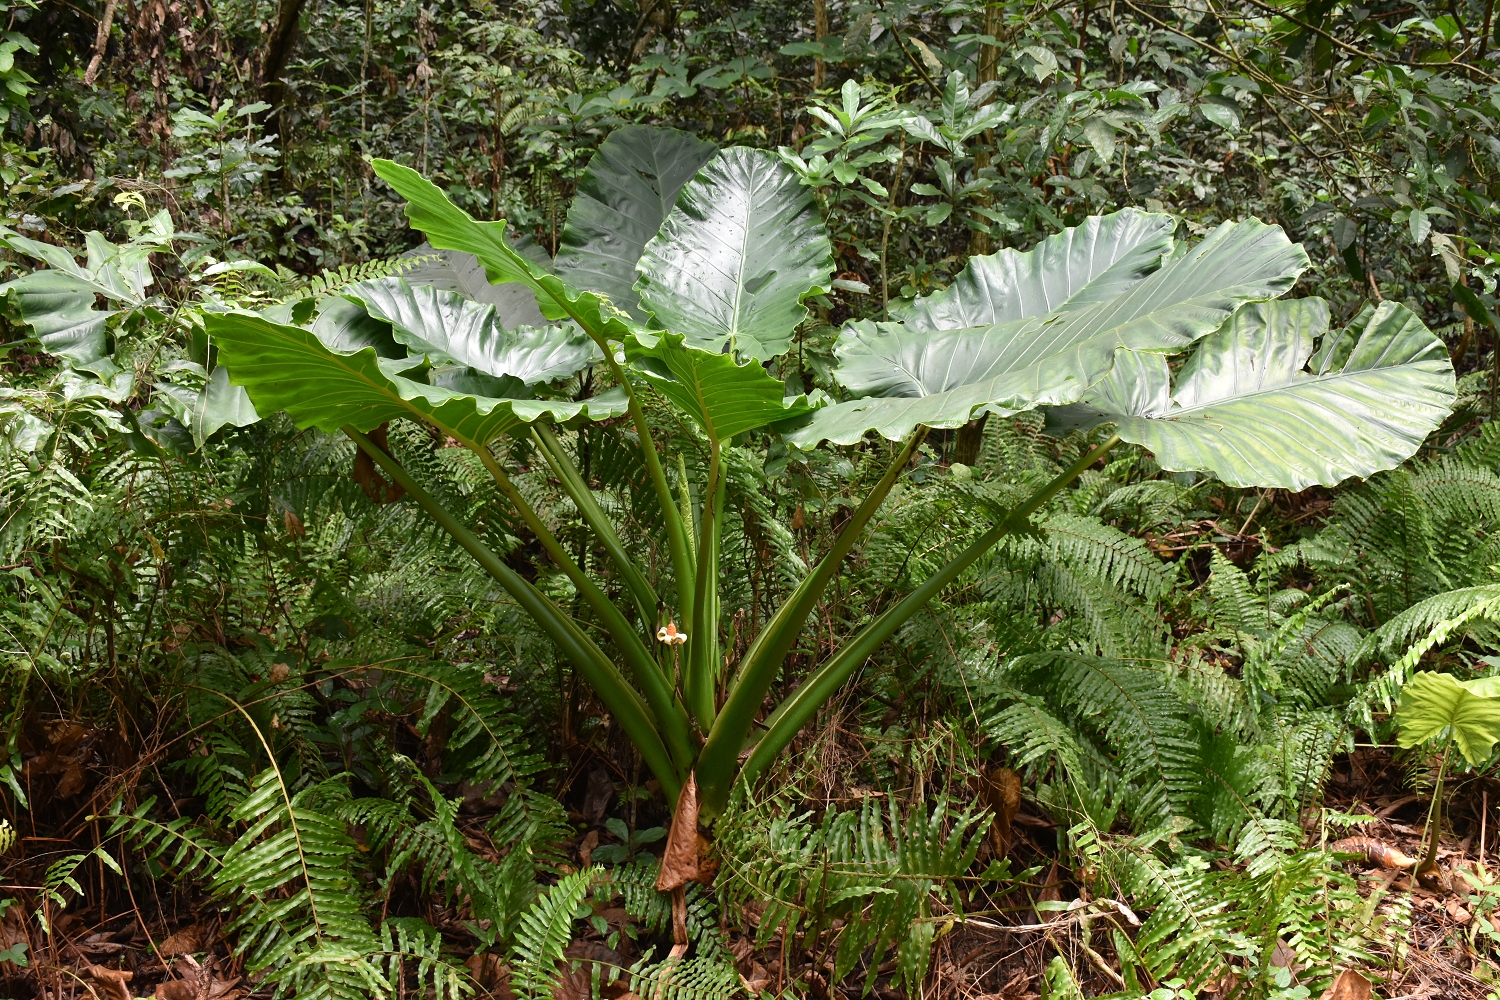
{"points": [[369, 478], [110, 983], [182, 942], [586, 849], [679, 861], [1001, 788], [1349, 985]]}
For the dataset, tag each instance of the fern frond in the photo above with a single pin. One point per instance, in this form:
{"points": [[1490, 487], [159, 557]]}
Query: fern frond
{"points": [[334, 279], [684, 979], [545, 930]]}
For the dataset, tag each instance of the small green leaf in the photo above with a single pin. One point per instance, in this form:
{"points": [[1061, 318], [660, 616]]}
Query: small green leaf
{"points": [[221, 403], [1419, 225]]}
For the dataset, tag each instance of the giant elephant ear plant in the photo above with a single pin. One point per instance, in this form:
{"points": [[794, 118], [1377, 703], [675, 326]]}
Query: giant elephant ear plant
{"points": [[725, 247]]}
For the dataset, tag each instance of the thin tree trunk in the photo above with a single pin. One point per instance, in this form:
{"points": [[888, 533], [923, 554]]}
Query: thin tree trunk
{"points": [[820, 30], [101, 44], [971, 435], [989, 61], [273, 59]]}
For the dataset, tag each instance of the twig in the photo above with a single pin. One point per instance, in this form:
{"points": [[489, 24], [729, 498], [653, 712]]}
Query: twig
{"points": [[101, 44]]}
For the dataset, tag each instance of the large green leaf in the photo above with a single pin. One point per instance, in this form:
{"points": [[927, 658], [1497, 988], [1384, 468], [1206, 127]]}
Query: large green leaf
{"points": [[623, 197], [737, 256], [220, 404], [946, 378], [515, 305], [58, 303], [59, 309], [724, 397], [1245, 409], [1433, 704], [288, 368], [1077, 267], [446, 327], [449, 227]]}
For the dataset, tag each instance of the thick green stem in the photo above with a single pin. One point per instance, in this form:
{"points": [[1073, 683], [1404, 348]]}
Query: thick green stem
{"points": [[1435, 813], [670, 716], [763, 659], [677, 541], [703, 635], [641, 591], [619, 697], [824, 683]]}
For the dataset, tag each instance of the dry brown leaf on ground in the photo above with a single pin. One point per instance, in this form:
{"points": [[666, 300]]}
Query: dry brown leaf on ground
{"points": [[586, 848], [110, 983], [1349, 985], [1001, 788], [758, 979], [490, 973], [197, 982], [182, 942]]}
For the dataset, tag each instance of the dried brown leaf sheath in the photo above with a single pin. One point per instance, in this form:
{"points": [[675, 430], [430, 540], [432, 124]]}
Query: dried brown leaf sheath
{"points": [[679, 862], [1376, 852]]}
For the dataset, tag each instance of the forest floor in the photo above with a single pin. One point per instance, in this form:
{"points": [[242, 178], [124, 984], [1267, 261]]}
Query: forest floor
{"points": [[156, 941]]}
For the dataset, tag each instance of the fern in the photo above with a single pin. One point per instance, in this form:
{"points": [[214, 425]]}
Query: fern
{"points": [[335, 279], [869, 867], [544, 931], [300, 858], [684, 979]]}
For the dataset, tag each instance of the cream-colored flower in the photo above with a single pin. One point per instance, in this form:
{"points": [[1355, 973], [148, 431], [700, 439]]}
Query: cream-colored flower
{"points": [[669, 635]]}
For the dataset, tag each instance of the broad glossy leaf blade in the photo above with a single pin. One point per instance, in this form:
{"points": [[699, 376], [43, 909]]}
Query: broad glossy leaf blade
{"points": [[625, 194], [345, 327], [289, 368], [449, 227], [945, 378], [59, 308], [446, 327], [724, 397], [1246, 409], [1077, 267], [515, 305], [220, 404], [737, 256], [1433, 704]]}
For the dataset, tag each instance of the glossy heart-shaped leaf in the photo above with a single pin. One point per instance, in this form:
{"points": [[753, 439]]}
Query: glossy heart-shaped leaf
{"points": [[725, 397], [288, 368], [1077, 267], [446, 327], [1256, 406], [449, 227], [625, 194], [737, 256], [1433, 704], [945, 378]]}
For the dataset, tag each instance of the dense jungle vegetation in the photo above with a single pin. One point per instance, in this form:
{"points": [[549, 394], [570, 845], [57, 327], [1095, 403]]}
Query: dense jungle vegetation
{"points": [[918, 498]]}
